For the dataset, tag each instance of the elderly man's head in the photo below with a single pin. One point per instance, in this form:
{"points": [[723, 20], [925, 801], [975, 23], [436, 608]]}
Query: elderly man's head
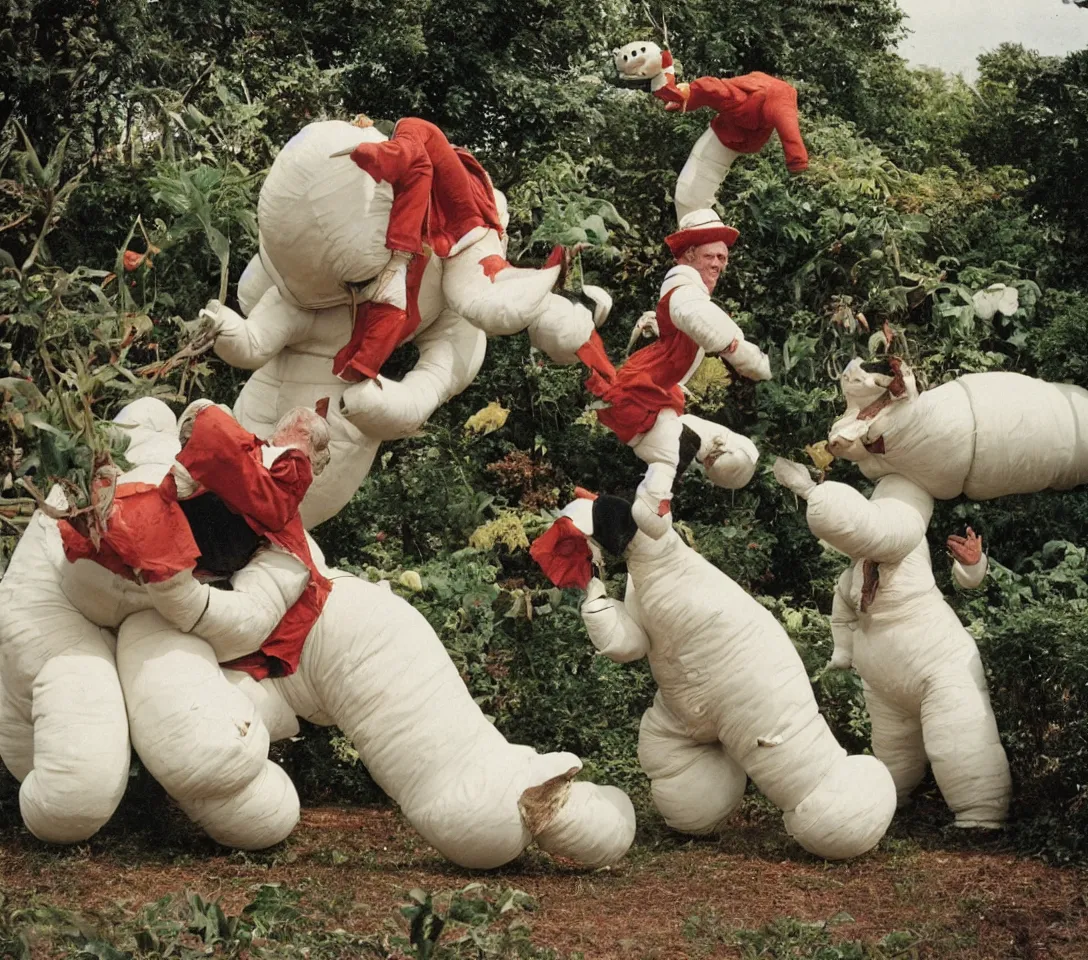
{"points": [[301, 428], [703, 243], [709, 259], [305, 430]]}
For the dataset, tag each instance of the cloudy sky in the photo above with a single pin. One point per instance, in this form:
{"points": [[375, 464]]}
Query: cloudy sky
{"points": [[951, 33]]}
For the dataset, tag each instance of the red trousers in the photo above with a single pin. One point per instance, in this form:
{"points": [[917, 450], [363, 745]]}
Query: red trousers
{"points": [[379, 329], [439, 192]]}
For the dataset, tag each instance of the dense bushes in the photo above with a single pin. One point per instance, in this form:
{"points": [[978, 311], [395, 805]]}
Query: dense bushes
{"points": [[919, 194]]}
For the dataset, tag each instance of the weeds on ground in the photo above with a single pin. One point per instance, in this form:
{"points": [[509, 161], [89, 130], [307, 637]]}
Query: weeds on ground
{"points": [[786, 937], [475, 921]]}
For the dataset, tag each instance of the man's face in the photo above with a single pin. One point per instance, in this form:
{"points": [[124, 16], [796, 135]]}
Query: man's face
{"points": [[709, 259]]}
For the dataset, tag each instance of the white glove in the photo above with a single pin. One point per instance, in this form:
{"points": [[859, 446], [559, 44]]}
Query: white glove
{"points": [[794, 476]]}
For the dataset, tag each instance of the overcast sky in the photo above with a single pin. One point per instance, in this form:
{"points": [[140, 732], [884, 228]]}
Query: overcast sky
{"points": [[950, 34]]}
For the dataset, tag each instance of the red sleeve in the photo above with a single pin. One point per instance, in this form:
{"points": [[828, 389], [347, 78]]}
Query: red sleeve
{"points": [[781, 110], [711, 92]]}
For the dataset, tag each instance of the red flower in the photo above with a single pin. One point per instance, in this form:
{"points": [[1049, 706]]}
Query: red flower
{"points": [[134, 260], [563, 554]]}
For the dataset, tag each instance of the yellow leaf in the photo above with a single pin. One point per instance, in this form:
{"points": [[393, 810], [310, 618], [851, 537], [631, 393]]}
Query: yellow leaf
{"points": [[710, 374], [489, 419], [506, 529], [411, 580], [820, 455]]}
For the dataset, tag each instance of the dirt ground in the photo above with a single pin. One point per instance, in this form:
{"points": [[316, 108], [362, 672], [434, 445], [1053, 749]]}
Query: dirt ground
{"points": [[960, 897]]}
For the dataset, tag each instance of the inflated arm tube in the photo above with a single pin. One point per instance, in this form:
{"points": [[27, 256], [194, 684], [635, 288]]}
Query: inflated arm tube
{"points": [[561, 328], [611, 628], [970, 576], [706, 323], [253, 284], [237, 621], [251, 342], [181, 600], [843, 623], [749, 361], [883, 529], [451, 352]]}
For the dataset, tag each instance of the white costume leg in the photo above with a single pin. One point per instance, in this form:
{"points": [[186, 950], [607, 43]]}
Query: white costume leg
{"points": [[897, 741], [660, 448], [81, 750], [695, 786], [201, 737], [706, 167], [16, 735], [964, 747]]}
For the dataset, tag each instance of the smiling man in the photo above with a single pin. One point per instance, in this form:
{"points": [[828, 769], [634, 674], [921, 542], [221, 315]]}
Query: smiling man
{"points": [[644, 401]]}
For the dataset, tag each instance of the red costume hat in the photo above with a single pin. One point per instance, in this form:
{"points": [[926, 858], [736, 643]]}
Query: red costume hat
{"points": [[697, 228], [563, 554]]}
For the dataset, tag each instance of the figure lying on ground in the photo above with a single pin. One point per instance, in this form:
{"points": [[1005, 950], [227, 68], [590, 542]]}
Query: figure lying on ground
{"points": [[369, 663]]}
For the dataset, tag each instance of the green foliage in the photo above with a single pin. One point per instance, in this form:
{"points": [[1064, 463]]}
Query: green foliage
{"points": [[478, 921], [788, 939]]}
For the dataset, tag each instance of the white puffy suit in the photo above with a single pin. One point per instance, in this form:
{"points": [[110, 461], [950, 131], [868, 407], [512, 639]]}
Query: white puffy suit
{"points": [[63, 728], [984, 435], [733, 701], [322, 236], [924, 682], [371, 664]]}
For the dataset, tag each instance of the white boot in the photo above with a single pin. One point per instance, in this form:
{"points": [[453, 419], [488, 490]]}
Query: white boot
{"points": [[652, 509], [498, 299]]}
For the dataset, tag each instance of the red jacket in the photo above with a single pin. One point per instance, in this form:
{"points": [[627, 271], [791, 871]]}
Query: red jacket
{"points": [[750, 108], [649, 381]]}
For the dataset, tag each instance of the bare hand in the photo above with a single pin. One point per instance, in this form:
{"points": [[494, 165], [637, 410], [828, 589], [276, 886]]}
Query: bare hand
{"points": [[968, 550]]}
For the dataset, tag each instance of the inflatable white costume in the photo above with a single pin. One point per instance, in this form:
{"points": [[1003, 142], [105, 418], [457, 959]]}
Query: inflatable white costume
{"points": [[323, 225], [925, 685], [984, 435], [643, 401], [370, 664], [733, 697]]}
